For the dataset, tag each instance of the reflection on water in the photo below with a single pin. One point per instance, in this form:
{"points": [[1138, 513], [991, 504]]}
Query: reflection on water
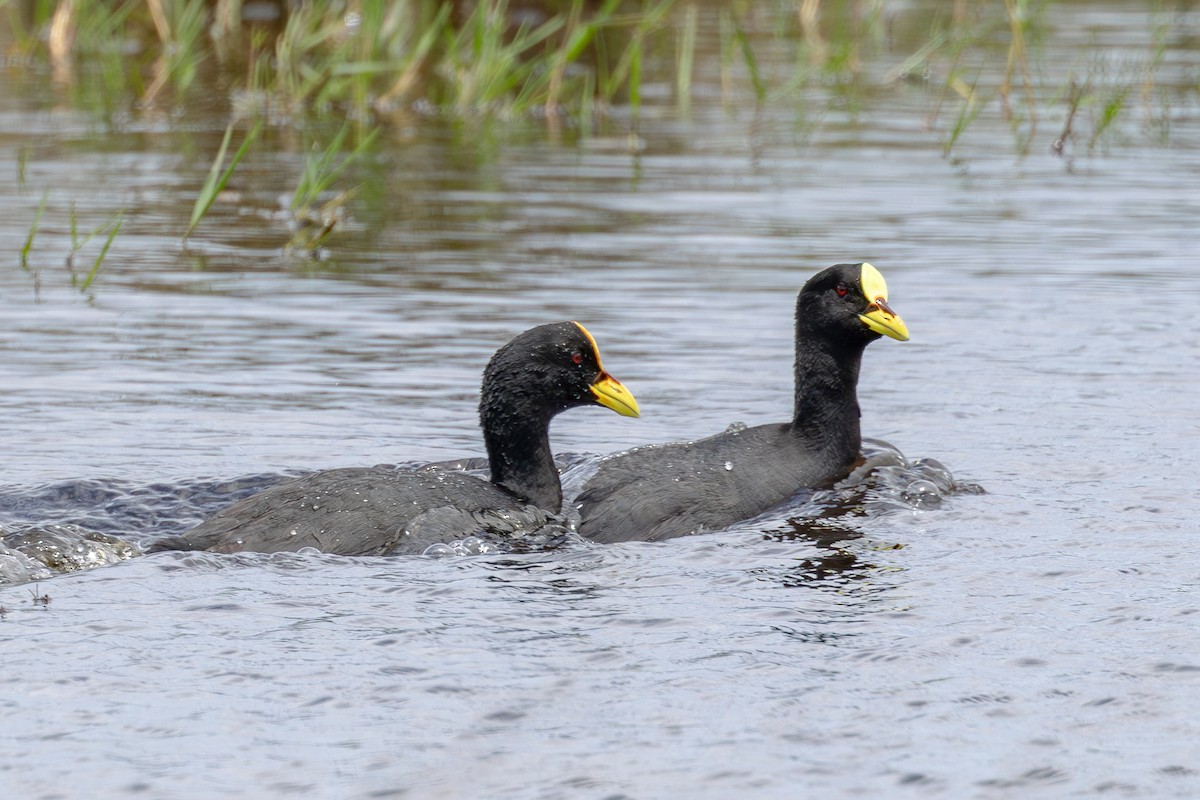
{"points": [[1033, 641]]}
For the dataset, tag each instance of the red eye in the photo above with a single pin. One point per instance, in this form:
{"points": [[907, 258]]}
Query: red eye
{"points": [[577, 358], [842, 290]]}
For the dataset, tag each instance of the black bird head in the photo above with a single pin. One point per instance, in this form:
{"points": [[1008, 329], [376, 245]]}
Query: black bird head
{"points": [[543, 371], [549, 369], [848, 303]]}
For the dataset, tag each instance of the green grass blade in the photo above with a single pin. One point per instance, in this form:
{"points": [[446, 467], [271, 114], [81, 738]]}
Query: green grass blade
{"points": [[22, 165], [743, 42], [33, 229], [95, 270], [1108, 114], [208, 194], [585, 34], [685, 61], [218, 179], [967, 113], [634, 51], [635, 77]]}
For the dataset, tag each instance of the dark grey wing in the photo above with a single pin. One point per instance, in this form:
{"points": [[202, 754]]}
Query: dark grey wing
{"points": [[663, 491], [354, 512], [651, 493]]}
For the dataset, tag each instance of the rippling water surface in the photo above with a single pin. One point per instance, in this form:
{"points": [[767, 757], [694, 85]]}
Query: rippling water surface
{"points": [[1040, 638]]}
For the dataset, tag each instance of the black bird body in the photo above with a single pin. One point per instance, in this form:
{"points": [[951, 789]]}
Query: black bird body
{"points": [[378, 511], [664, 491]]}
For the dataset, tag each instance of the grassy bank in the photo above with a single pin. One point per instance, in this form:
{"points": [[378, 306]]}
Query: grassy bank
{"points": [[365, 59], [327, 77], [569, 62]]}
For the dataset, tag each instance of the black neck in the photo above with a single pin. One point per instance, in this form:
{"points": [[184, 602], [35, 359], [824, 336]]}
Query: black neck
{"points": [[826, 414], [518, 448]]}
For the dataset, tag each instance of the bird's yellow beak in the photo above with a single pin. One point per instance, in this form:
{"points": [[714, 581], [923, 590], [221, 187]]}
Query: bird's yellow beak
{"points": [[879, 316], [609, 393], [607, 390]]}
